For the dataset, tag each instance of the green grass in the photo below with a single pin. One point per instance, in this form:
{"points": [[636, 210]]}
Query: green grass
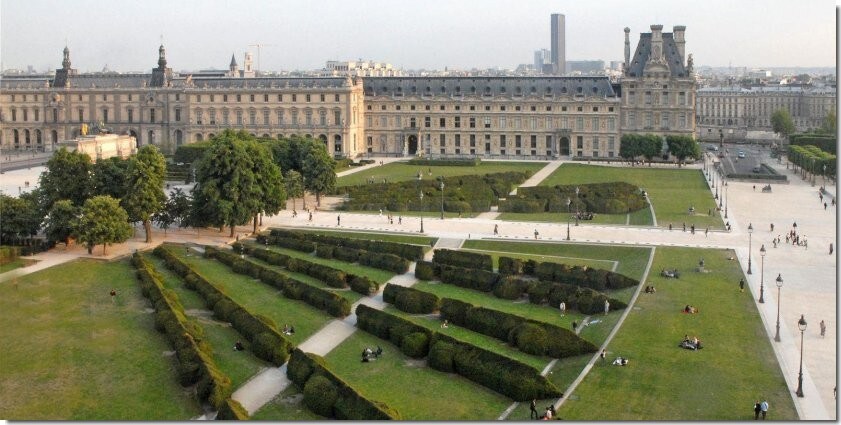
{"points": [[240, 366], [671, 191], [15, 264], [287, 406], [664, 382], [562, 375], [260, 298], [371, 236], [632, 260], [401, 171], [378, 275], [71, 353], [415, 390], [636, 218]]}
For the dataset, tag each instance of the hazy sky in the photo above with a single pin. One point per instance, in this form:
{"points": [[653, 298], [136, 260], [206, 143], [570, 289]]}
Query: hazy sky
{"points": [[461, 34]]}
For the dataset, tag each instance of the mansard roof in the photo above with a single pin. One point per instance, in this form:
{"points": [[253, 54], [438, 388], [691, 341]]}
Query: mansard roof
{"points": [[492, 86], [670, 52], [259, 82]]}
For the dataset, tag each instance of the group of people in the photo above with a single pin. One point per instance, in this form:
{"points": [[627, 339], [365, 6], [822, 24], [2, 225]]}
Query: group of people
{"points": [[369, 354], [690, 309], [550, 412], [650, 289], [691, 344], [670, 273], [760, 407], [620, 361], [288, 330], [583, 215]]}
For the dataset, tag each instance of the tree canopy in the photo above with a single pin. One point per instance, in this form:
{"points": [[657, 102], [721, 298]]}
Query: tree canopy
{"points": [[108, 177], [145, 186], [103, 221], [294, 185], [645, 145], [782, 123], [68, 176], [61, 220], [318, 171], [268, 194], [20, 218], [682, 147]]}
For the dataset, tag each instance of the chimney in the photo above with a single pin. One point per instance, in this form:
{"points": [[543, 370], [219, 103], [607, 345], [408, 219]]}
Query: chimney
{"points": [[656, 43], [680, 41], [627, 48]]}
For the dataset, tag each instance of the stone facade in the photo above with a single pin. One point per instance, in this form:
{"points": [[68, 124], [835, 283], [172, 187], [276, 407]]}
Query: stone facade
{"points": [[103, 146]]}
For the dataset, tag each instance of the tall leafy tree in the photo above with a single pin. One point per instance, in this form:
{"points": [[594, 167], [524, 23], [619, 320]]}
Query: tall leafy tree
{"points": [[318, 171], [20, 218], [267, 195], [294, 185], [103, 221], [782, 123], [630, 146], [145, 186], [650, 146], [224, 177], [59, 224], [683, 147], [68, 176], [108, 177], [830, 123]]}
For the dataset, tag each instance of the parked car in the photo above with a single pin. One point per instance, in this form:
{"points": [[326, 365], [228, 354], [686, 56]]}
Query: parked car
{"points": [[740, 154], [713, 148]]}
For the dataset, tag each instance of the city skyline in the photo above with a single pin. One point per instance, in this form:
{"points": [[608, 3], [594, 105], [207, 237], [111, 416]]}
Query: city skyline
{"points": [[432, 35]]}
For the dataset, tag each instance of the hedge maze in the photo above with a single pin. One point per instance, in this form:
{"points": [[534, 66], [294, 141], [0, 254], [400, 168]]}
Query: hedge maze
{"points": [[603, 198]]}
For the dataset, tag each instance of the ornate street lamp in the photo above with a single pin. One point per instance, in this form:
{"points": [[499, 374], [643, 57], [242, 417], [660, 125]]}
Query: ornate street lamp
{"points": [[569, 212], [725, 198], [801, 324], [761, 274], [420, 189], [576, 205], [750, 233], [442, 199], [779, 287]]}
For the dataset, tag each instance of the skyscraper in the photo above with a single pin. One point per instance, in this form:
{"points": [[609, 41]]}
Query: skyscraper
{"points": [[542, 58], [558, 44]]}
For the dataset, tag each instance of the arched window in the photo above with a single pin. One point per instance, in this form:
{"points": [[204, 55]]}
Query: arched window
{"points": [[54, 136], [337, 143], [38, 137], [26, 138], [16, 137], [179, 138], [151, 138], [199, 137]]}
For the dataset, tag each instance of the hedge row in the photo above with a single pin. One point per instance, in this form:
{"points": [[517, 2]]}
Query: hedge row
{"points": [[826, 142], [585, 300], [407, 251], [387, 262], [499, 373], [195, 362], [424, 270], [446, 162], [604, 198], [529, 336], [267, 342], [472, 260], [231, 410], [598, 279], [329, 275], [296, 244], [292, 288], [479, 280], [412, 339], [328, 395], [411, 300]]}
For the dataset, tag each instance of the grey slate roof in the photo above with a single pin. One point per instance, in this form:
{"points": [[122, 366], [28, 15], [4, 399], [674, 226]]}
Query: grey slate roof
{"points": [[24, 82], [495, 86], [643, 52], [260, 82]]}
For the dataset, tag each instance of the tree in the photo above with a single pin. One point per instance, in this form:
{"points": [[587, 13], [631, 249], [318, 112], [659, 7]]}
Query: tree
{"points": [[318, 171], [650, 146], [224, 177], [683, 147], [830, 123], [145, 186], [108, 177], [178, 205], [60, 222], [267, 195], [20, 218], [103, 221], [67, 177], [630, 146], [782, 123], [294, 185]]}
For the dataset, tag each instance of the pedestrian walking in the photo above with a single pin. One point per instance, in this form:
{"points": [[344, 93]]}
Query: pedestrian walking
{"points": [[692, 229], [603, 355], [764, 407], [757, 407], [574, 325], [830, 248], [670, 227], [399, 219], [339, 220], [563, 308], [496, 229], [823, 329], [754, 188], [772, 227], [536, 234], [606, 306], [706, 231], [533, 410], [310, 219], [684, 226], [824, 206]]}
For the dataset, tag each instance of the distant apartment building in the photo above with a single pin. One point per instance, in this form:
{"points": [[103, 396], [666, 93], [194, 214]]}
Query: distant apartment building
{"points": [[558, 43], [542, 60], [585, 67], [359, 68]]}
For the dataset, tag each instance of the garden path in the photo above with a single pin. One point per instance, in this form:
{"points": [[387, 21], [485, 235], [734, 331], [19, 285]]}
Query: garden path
{"points": [[539, 176]]}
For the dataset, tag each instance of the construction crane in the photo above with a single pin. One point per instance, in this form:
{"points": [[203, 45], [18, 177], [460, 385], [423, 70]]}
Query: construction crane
{"points": [[259, 46]]}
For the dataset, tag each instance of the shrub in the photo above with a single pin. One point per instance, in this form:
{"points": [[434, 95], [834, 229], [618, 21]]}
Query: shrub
{"points": [[441, 357], [464, 259], [446, 162], [531, 339], [351, 255], [388, 262], [231, 410], [510, 266], [454, 310], [391, 327], [522, 206], [411, 300], [407, 251], [479, 280], [363, 285], [424, 270], [324, 251], [510, 288], [415, 345], [320, 395], [597, 279]]}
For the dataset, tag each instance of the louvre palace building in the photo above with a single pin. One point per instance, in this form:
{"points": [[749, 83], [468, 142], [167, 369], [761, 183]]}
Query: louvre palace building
{"points": [[488, 117]]}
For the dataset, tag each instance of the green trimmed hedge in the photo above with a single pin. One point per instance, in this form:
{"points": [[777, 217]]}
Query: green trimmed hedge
{"points": [[585, 300], [472, 260], [195, 362], [603, 198], [479, 280], [231, 410], [446, 162], [559, 342], [389, 327], [349, 403], [588, 277], [411, 300], [266, 341], [407, 251], [424, 270], [296, 244], [332, 303], [826, 142], [191, 152]]}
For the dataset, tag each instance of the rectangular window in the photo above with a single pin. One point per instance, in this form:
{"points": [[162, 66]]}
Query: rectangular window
{"points": [[442, 122], [81, 115], [533, 123], [198, 98], [503, 122], [518, 123], [252, 117], [337, 98], [224, 97], [549, 123], [199, 118], [533, 141], [104, 115], [280, 117], [579, 123], [564, 122], [457, 122], [266, 117], [595, 154], [665, 120], [38, 114], [383, 121], [458, 139], [579, 143], [472, 140], [472, 122], [26, 115], [177, 114], [611, 124], [55, 115], [502, 140], [370, 141], [648, 98], [239, 98], [398, 121], [212, 98], [307, 98], [443, 139], [681, 98], [294, 97], [487, 122], [212, 117], [152, 115], [239, 117], [648, 120], [322, 98], [518, 140], [611, 143], [632, 119], [548, 144], [251, 98], [682, 121], [427, 122], [595, 124], [130, 115]]}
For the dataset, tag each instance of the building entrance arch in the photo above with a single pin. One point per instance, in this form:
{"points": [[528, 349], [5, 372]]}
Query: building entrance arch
{"points": [[413, 145], [564, 146]]}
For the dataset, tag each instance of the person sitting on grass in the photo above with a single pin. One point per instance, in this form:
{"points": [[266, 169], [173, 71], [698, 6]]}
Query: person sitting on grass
{"points": [[690, 310], [238, 346], [379, 352], [620, 361]]}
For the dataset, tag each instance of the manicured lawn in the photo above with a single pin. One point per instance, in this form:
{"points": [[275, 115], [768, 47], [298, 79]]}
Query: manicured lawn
{"points": [[378, 275], [671, 191], [632, 260], [72, 353], [14, 264], [240, 366], [721, 382], [637, 218], [415, 390], [260, 298], [287, 406], [562, 374], [401, 171], [387, 237]]}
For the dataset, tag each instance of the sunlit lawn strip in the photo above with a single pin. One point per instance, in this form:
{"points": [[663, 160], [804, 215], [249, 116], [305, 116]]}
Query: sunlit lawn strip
{"points": [[736, 367], [562, 374], [287, 406], [401, 171], [372, 236]]}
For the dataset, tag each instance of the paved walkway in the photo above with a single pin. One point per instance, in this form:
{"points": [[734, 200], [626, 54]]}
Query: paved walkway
{"points": [[539, 176]]}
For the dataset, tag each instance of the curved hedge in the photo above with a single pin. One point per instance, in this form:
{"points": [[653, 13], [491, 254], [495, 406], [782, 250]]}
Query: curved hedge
{"points": [[424, 270], [473, 260], [349, 402], [407, 251], [603, 198], [411, 300], [389, 327], [271, 345], [598, 279], [479, 280]]}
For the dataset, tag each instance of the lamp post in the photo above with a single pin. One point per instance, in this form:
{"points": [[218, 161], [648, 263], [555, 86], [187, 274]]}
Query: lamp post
{"points": [[715, 184], [761, 274], [801, 324], [725, 198], [420, 189], [569, 212], [750, 233], [442, 199], [824, 175], [779, 287], [576, 205]]}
